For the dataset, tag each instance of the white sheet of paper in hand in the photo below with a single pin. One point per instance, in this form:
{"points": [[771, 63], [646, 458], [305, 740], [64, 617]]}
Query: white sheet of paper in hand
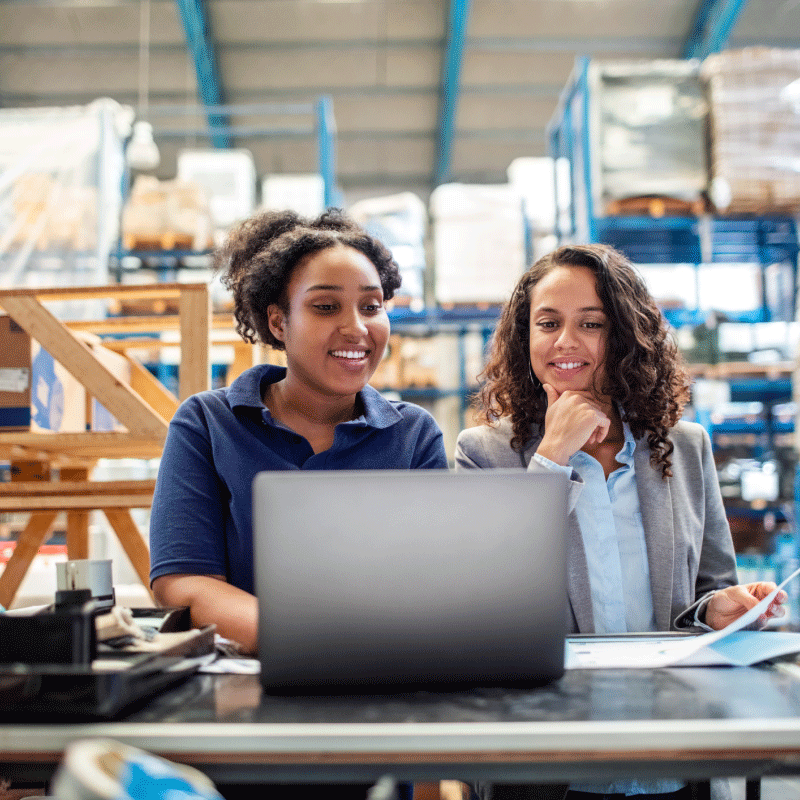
{"points": [[675, 653], [661, 652]]}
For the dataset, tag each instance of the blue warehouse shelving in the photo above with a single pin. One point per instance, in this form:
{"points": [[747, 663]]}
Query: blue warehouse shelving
{"points": [[703, 243]]}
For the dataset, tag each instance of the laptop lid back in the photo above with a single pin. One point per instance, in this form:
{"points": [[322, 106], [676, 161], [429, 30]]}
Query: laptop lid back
{"points": [[387, 580]]}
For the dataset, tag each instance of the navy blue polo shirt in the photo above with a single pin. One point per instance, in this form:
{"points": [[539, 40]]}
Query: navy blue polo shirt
{"points": [[201, 520]]}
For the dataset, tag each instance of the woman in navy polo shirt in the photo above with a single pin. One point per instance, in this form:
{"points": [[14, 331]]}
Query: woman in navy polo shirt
{"points": [[317, 290]]}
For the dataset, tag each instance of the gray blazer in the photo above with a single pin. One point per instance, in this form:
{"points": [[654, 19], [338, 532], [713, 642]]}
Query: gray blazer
{"points": [[689, 546]]}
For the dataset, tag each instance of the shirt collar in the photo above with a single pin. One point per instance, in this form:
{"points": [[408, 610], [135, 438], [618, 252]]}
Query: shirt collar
{"points": [[625, 455], [248, 389]]}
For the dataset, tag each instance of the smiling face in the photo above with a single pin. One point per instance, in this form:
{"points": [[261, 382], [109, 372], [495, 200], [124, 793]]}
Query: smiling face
{"points": [[336, 328], [569, 330]]}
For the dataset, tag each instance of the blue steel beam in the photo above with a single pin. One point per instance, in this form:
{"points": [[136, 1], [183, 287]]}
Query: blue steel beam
{"points": [[458, 19], [201, 45], [713, 24]]}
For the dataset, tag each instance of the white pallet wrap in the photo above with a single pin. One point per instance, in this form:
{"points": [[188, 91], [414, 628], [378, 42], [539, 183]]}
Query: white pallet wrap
{"points": [[229, 177], [400, 222], [754, 97], [479, 242], [304, 194], [61, 175], [647, 130]]}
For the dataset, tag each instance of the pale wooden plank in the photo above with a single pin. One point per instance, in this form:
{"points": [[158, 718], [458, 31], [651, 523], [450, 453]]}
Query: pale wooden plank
{"points": [[77, 521], [132, 541], [151, 390], [68, 446], [115, 291], [78, 534], [195, 326], [143, 324], [75, 487], [75, 503], [136, 415], [245, 355], [142, 343], [28, 543]]}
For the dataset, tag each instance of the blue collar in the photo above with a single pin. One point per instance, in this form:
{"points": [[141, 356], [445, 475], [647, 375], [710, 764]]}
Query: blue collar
{"points": [[625, 455], [248, 389]]}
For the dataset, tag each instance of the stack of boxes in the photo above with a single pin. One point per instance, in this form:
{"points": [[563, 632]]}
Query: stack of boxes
{"points": [[754, 101]]}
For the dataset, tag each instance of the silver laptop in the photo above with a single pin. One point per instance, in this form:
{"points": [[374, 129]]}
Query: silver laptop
{"points": [[392, 580]]}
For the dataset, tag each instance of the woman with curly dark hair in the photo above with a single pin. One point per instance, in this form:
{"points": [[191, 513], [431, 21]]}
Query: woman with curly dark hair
{"points": [[584, 378], [317, 290]]}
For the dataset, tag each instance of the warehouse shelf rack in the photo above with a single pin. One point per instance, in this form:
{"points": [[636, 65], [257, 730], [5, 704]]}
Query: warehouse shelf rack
{"points": [[764, 240], [316, 121], [769, 241]]}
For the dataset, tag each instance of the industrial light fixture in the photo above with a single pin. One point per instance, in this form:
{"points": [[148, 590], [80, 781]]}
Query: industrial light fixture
{"points": [[142, 151]]}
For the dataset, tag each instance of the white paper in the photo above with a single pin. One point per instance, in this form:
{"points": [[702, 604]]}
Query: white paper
{"points": [[234, 666], [14, 379], [620, 652]]}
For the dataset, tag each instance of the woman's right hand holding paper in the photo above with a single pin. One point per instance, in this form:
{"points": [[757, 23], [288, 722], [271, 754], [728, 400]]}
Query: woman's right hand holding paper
{"points": [[573, 419]]}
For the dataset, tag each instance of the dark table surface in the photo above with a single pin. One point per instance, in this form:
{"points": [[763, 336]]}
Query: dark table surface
{"points": [[591, 724]]}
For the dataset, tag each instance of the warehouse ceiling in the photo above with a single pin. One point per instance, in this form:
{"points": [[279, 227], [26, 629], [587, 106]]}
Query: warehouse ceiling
{"points": [[423, 91]]}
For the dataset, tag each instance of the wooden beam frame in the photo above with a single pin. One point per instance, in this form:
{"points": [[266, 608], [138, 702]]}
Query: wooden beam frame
{"points": [[143, 406]]}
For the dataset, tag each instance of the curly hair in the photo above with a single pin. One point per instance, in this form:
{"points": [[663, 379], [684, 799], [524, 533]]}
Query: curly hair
{"points": [[644, 371], [260, 254]]}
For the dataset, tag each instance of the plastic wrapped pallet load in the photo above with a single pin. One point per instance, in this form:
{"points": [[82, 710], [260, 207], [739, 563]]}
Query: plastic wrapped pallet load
{"points": [[400, 222], [479, 242], [229, 177], [61, 175], [647, 130], [754, 103], [166, 215]]}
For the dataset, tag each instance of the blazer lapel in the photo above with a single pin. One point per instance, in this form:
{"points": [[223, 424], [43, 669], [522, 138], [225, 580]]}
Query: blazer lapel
{"points": [[580, 593], [655, 504]]}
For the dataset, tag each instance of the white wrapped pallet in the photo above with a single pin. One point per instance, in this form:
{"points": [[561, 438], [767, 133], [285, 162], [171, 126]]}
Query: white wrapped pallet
{"points": [[754, 97], [647, 130], [61, 175], [400, 222], [166, 215], [479, 242], [304, 194], [229, 177]]}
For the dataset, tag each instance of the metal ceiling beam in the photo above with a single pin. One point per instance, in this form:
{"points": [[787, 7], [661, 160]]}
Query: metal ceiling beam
{"points": [[157, 100], [59, 50], [713, 24], [200, 41], [589, 46], [457, 22]]}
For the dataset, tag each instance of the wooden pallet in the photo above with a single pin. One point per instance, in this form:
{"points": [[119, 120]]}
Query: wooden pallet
{"points": [[169, 240], [144, 306], [480, 305], [655, 206], [759, 208]]}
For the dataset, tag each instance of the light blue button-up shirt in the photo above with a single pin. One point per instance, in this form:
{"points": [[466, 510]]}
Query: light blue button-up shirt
{"points": [[619, 572]]}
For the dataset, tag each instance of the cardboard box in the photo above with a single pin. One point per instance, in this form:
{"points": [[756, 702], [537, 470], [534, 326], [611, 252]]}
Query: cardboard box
{"points": [[15, 376], [37, 394]]}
